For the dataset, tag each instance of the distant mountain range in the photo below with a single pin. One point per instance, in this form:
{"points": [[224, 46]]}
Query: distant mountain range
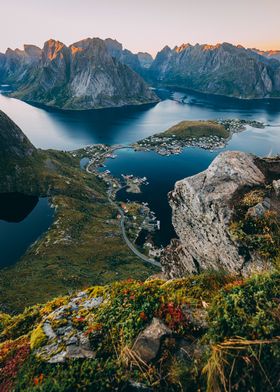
{"points": [[222, 69], [95, 73], [273, 54], [89, 74]]}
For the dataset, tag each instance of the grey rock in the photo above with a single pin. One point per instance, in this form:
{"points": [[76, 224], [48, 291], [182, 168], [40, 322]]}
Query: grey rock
{"points": [[73, 305], [74, 351], [92, 303], [276, 187], [72, 340], [63, 330], [148, 342], [84, 341], [201, 213], [58, 358], [256, 211], [47, 328]]}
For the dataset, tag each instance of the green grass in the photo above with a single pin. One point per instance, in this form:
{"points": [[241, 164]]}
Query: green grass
{"points": [[93, 251], [196, 129]]}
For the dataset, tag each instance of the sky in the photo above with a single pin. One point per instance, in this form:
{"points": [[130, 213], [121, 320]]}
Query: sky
{"points": [[144, 25]]}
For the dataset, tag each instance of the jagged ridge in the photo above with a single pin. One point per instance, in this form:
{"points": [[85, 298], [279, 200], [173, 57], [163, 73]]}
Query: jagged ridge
{"points": [[88, 74]]}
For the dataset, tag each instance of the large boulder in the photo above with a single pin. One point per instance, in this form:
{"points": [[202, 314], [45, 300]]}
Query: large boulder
{"points": [[148, 342], [202, 209]]}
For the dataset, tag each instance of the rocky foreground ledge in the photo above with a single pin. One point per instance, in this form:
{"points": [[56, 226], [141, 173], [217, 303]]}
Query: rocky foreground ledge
{"points": [[226, 217]]}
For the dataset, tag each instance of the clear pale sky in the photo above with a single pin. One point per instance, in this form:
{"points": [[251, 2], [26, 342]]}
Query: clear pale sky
{"points": [[144, 25]]}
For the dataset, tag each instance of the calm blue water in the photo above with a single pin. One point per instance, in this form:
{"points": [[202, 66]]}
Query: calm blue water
{"points": [[22, 220], [70, 130]]}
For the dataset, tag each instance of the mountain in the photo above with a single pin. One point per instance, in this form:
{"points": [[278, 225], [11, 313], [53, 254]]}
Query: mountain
{"points": [[222, 69], [13, 143], [145, 59], [226, 217], [14, 64], [123, 55], [89, 74], [273, 54]]}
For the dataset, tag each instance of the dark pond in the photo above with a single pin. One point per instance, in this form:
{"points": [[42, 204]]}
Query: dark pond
{"points": [[22, 220]]}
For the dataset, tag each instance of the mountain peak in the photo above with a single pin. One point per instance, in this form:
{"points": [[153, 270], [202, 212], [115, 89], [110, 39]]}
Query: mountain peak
{"points": [[182, 47], [52, 48]]}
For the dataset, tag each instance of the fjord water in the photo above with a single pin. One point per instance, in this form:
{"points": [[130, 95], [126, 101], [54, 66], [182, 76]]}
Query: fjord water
{"points": [[22, 220], [71, 130]]}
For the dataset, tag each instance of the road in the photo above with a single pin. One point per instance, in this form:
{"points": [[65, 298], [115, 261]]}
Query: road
{"points": [[128, 242], [122, 224]]}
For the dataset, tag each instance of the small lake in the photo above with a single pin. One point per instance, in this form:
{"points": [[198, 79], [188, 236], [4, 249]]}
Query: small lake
{"points": [[23, 219], [70, 130]]}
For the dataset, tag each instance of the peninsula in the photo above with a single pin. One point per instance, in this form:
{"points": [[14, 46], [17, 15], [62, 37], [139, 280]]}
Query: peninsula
{"points": [[209, 135]]}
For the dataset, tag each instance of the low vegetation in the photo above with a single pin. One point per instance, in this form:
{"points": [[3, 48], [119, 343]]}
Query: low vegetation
{"points": [[197, 129], [256, 224], [223, 336]]}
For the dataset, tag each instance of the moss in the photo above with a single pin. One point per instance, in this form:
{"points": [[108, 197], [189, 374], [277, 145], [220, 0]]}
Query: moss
{"points": [[247, 309], [37, 338], [20, 324], [4, 321]]}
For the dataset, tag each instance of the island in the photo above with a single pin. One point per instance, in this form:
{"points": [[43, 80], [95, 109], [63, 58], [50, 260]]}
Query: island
{"points": [[209, 135]]}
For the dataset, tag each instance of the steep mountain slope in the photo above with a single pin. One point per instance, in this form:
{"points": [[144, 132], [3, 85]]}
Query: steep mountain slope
{"points": [[84, 75], [222, 69], [227, 217], [13, 143]]}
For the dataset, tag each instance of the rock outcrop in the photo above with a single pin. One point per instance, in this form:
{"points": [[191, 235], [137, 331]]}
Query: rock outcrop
{"points": [[203, 207], [89, 74], [148, 342], [222, 69]]}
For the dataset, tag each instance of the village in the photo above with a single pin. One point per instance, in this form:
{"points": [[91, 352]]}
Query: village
{"points": [[137, 217], [173, 145]]}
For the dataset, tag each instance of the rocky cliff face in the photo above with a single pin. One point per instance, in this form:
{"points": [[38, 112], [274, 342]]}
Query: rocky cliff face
{"points": [[222, 69], [203, 207], [89, 74], [17, 156], [13, 142]]}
